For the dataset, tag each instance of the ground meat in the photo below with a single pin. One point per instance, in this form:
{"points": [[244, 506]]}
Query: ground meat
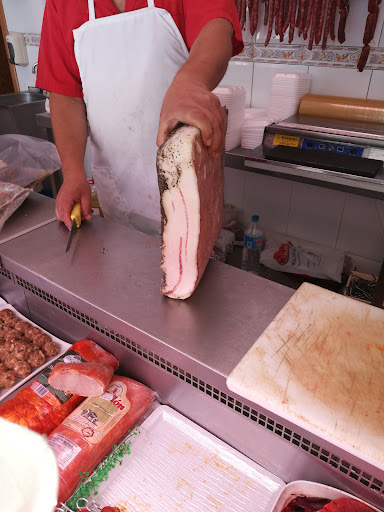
{"points": [[9, 345], [12, 334], [6, 313], [41, 339], [10, 361], [51, 349], [12, 321], [3, 367], [36, 358], [7, 379], [31, 332], [22, 369], [21, 326], [4, 328], [3, 352], [22, 350]]}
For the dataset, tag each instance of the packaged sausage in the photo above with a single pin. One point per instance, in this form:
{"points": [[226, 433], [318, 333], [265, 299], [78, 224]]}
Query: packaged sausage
{"points": [[40, 407], [84, 379], [91, 430]]}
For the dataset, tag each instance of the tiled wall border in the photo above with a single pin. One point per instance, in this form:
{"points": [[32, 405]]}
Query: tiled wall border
{"points": [[274, 53], [334, 56]]}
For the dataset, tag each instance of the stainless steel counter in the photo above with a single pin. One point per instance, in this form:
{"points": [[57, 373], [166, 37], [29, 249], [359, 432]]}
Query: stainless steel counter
{"points": [[37, 210], [107, 287]]}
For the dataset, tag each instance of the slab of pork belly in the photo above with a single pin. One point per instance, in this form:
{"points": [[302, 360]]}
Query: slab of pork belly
{"points": [[191, 186]]}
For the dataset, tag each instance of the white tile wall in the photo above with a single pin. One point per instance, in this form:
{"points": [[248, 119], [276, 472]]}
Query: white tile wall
{"points": [[24, 73], [240, 73], [234, 184], [262, 80], [317, 207], [24, 15], [376, 87], [339, 81]]}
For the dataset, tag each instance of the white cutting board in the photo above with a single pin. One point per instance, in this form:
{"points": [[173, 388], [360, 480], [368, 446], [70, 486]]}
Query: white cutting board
{"points": [[320, 365]]}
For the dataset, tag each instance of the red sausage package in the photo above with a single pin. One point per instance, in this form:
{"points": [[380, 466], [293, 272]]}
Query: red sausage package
{"points": [[89, 433], [40, 407]]}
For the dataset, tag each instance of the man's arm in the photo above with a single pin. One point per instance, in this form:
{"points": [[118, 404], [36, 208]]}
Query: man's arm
{"points": [[69, 123], [188, 99]]}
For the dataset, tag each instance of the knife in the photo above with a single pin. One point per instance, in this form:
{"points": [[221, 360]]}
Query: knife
{"points": [[76, 222]]}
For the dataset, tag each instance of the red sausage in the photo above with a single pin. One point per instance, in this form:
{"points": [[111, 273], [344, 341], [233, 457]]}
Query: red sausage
{"points": [[292, 22], [342, 23], [370, 27], [332, 24], [303, 15], [314, 23], [270, 22], [331, 5], [288, 18], [88, 434], [84, 379], [254, 16], [319, 28], [266, 12], [363, 57], [308, 19]]}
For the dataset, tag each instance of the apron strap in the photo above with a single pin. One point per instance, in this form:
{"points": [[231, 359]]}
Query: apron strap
{"points": [[91, 9], [151, 4]]}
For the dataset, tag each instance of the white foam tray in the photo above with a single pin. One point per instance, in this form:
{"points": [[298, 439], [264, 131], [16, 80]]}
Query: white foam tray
{"points": [[63, 347], [311, 490], [177, 465]]}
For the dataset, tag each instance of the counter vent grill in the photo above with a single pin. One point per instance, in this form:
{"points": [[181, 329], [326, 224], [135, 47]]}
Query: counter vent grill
{"points": [[343, 466]]}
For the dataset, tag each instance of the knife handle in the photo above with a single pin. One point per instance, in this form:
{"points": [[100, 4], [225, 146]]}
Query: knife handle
{"points": [[76, 214]]}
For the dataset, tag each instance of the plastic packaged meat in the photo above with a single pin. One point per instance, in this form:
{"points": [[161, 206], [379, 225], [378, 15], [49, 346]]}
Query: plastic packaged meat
{"points": [[99, 422], [84, 379], [40, 407]]}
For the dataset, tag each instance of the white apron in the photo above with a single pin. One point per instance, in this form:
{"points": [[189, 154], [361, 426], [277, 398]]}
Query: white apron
{"points": [[127, 62]]}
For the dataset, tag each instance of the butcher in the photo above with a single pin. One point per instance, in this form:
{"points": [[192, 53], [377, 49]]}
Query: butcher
{"points": [[127, 72]]}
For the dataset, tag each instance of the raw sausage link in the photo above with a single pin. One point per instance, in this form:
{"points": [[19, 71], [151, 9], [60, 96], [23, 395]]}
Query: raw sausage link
{"points": [[266, 11], [254, 16], [363, 57], [280, 20], [292, 25], [314, 23], [370, 27], [288, 18], [333, 20], [331, 5], [308, 19], [342, 24], [298, 17], [319, 28], [270, 22], [303, 15]]}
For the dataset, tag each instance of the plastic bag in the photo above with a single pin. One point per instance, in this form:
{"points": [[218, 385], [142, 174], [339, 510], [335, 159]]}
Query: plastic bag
{"points": [[26, 161], [11, 197], [289, 254]]}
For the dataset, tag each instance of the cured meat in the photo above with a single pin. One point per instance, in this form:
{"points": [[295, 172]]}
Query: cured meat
{"points": [[37, 407], [84, 379], [191, 186], [346, 505], [87, 435]]}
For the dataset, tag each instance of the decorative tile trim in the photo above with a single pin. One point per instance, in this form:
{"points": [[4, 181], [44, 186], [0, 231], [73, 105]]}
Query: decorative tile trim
{"points": [[334, 56], [32, 39]]}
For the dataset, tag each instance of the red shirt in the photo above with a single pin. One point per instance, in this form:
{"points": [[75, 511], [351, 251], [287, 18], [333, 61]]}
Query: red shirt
{"points": [[57, 69]]}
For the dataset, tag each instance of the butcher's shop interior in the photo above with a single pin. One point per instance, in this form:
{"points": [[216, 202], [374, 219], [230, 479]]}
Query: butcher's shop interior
{"points": [[192, 256]]}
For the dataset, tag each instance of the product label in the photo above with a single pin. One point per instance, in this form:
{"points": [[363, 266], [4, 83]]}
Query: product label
{"points": [[44, 390], [253, 242], [97, 415], [65, 449], [296, 256], [286, 140]]}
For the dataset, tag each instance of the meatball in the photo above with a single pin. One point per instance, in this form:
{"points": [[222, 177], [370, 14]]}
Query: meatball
{"points": [[21, 326], [12, 321], [4, 328], [7, 379], [6, 313], [22, 350], [51, 349], [31, 332], [10, 361], [36, 358], [41, 339], [22, 369], [13, 334], [3, 367], [3, 352]]}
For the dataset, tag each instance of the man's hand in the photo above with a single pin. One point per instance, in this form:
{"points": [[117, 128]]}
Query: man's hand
{"points": [[188, 99], [73, 190]]}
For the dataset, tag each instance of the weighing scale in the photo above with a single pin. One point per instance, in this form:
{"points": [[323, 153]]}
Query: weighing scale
{"points": [[341, 146]]}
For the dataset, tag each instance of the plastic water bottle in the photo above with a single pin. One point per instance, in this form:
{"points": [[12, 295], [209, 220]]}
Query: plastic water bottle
{"points": [[253, 241]]}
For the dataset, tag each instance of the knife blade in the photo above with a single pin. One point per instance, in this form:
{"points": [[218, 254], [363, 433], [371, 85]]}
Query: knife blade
{"points": [[76, 222]]}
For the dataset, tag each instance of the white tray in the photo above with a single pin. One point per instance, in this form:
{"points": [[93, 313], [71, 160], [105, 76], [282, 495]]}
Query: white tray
{"points": [[177, 465], [63, 347], [311, 490]]}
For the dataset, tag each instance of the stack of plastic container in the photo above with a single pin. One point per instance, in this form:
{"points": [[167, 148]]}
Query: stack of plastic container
{"points": [[252, 131], [286, 93], [233, 98]]}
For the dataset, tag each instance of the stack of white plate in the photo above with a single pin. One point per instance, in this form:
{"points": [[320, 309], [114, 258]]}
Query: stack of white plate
{"points": [[286, 94], [255, 113], [252, 132], [232, 97]]}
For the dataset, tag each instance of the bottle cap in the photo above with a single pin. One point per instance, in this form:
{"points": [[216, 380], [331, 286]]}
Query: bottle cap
{"points": [[255, 218]]}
